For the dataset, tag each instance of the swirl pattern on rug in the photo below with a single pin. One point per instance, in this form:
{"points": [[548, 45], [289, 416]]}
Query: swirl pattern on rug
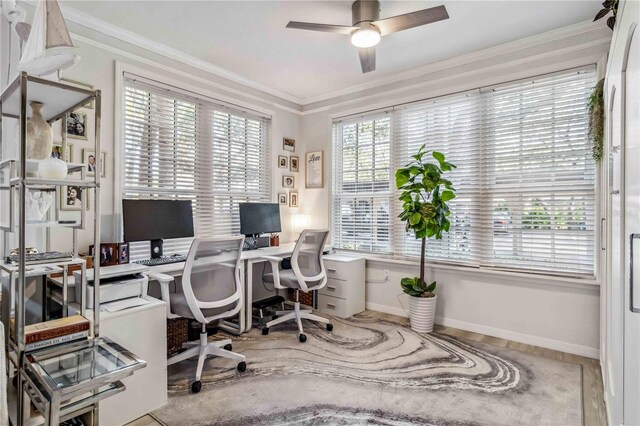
{"points": [[366, 351]]}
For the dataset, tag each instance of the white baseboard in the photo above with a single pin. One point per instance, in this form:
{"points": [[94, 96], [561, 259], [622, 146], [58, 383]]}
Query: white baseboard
{"points": [[528, 339]]}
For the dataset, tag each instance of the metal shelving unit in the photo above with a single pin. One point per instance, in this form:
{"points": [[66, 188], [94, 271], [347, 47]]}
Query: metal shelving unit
{"points": [[69, 379]]}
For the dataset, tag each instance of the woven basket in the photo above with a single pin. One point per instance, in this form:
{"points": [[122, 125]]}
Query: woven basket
{"points": [[305, 298], [177, 334]]}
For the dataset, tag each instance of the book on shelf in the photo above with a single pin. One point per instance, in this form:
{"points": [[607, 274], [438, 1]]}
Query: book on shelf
{"points": [[54, 329], [57, 340]]}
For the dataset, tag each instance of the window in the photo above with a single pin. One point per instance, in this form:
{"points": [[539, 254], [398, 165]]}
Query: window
{"points": [[525, 179], [179, 146]]}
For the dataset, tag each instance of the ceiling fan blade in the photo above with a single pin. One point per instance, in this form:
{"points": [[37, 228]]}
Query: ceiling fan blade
{"points": [[367, 59], [411, 20], [327, 28]]}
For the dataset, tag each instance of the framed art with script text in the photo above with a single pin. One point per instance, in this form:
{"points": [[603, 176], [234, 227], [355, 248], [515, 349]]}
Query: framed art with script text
{"points": [[314, 169]]}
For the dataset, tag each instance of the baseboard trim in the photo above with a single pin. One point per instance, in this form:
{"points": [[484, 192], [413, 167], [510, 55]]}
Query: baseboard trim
{"points": [[528, 339]]}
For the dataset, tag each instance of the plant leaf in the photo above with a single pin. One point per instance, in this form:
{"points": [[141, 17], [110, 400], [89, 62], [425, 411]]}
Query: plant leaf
{"points": [[438, 156], [414, 219], [611, 22], [601, 14], [447, 195], [431, 287]]}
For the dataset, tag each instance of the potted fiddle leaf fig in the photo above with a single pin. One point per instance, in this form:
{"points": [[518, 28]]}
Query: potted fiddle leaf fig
{"points": [[425, 194]]}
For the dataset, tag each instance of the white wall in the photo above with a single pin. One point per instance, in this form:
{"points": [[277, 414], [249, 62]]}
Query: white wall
{"points": [[536, 310]]}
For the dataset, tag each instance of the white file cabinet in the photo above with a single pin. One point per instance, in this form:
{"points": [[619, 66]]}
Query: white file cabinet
{"points": [[343, 295]]}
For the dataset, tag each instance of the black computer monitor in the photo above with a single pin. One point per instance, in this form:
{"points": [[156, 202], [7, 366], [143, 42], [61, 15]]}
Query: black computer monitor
{"points": [[154, 220], [259, 218]]}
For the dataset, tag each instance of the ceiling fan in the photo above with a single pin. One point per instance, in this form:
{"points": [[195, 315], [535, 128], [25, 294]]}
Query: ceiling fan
{"points": [[367, 28]]}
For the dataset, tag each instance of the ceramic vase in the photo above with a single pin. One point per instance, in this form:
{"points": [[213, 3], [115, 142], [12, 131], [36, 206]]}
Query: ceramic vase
{"points": [[422, 313], [39, 134]]}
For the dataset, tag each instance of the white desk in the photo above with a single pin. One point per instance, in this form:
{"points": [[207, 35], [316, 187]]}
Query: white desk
{"points": [[248, 257]]}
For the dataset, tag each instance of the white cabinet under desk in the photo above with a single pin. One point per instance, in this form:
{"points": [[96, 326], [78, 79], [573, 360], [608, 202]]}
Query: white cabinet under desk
{"points": [[344, 294]]}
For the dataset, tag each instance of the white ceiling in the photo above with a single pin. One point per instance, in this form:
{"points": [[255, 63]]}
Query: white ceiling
{"points": [[249, 38]]}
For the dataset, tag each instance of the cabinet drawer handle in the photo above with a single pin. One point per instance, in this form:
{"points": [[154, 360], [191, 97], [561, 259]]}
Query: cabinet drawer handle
{"points": [[330, 287], [331, 270], [331, 305]]}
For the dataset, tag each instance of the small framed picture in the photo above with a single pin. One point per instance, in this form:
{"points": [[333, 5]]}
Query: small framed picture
{"points": [[289, 144], [283, 199], [123, 253], [89, 159], [288, 182], [57, 152], [294, 164], [108, 254], [77, 125], [282, 161], [293, 199], [71, 198]]}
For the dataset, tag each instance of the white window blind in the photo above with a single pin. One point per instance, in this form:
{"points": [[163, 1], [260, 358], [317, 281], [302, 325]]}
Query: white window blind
{"points": [[526, 195], [361, 184], [179, 146], [540, 178]]}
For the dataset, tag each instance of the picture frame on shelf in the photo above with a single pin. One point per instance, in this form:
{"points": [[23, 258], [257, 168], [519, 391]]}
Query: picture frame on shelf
{"points": [[294, 200], [77, 125], [314, 169], [89, 159], [58, 152], [283, 199], [282, 161], [123, 253], [289, 144], [294, 164], [288, 181], [71, 197], [108, 254]]}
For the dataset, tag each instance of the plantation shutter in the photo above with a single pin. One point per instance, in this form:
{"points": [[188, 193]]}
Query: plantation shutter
{"points": [[180, 146], [540, 178], [449, 125], [361, 185]]}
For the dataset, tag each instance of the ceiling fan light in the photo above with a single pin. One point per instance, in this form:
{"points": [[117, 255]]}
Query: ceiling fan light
{"points": [[365, 37]]}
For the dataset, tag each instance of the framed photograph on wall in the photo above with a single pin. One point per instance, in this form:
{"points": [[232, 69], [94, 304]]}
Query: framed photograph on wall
{"points": [[57, 152], [283, 199], [123, 253], [89, 159], [71, 198], [77, 125], [294, 164], [282, 161], [314, 169], [289, 144], [288, 182], [293, 199]]}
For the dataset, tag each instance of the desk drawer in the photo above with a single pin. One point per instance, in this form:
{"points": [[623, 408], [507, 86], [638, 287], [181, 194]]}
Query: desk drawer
{"points": [[332, 305], [336, 270], [335, 288]]}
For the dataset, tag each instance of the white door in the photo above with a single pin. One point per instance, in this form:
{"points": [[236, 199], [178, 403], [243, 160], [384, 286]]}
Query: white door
{"points": [[631, 146]]}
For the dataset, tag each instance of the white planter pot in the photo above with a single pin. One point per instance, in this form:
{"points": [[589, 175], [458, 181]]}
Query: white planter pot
{"points": [[422, 313]]}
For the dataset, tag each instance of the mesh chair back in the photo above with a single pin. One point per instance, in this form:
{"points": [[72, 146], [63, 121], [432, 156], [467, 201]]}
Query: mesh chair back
{"points": [[306, 259], [211, 278]]}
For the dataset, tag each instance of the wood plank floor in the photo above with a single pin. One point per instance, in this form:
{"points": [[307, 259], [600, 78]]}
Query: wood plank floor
{"points": [[592, 387]]}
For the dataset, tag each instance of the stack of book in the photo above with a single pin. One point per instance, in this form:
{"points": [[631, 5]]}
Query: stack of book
{"points": [[54, 332]]}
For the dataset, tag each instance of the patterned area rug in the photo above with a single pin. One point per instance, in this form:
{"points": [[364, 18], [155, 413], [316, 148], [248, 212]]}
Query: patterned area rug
{"points": [[370, 371]]}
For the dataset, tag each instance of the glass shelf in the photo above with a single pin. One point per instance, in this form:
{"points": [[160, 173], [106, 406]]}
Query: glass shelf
{"points": [[81, 366]]}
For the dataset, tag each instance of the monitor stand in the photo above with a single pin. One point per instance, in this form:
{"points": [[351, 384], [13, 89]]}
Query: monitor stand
{"points": [[156, 249], [250, 242]]}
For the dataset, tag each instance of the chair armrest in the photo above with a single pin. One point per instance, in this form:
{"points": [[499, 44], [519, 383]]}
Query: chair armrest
{"points": [[164, 280], [275, 269], [273, 258]]}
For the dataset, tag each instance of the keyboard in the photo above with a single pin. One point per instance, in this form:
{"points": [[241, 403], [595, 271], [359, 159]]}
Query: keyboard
{"points": [[162, 260]]}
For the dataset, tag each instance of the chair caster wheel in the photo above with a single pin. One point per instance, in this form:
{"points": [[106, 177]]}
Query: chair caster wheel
{"points": [[196, 386], [228, 347], [265, 331], [329, 327], [302, 338], [274, 317], [242, 366]]}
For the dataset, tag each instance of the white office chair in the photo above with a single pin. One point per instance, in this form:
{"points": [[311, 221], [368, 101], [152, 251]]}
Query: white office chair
{"points": [[211, 291], [307, 274]]}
